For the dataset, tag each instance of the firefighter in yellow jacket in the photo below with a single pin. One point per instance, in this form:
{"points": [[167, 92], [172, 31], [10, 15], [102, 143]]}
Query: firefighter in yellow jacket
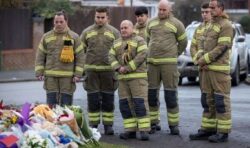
{"points": [[167, 39], [141, 14], [216, 81], [196, 48], [127, 57], [100, 81], [59, 62]]}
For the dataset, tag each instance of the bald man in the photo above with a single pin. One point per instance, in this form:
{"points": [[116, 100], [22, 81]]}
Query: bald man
{"points": [[167, 40], [127, 57]]}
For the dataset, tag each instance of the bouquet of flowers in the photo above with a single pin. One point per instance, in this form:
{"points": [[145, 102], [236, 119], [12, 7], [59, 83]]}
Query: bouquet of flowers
{"points": [[33, 139], [73, 117], [7, 118], [43, 127], [44, 111], [69, 119], [92, 136]]}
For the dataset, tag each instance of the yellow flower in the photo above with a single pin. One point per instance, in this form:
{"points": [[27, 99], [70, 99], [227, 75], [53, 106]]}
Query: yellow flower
{"points": [[14, 119]]}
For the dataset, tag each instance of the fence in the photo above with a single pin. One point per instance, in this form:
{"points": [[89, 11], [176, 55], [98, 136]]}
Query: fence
{"points": [[16, 28], [85, 17], [17, 37]]}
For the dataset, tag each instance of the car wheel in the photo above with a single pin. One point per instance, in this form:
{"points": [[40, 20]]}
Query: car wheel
{"points": [[180, 81], [244, 76], [236, 75], [191, 79]]}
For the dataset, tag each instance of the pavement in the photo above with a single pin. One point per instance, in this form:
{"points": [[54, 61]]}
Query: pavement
{"points": [[17, 76], [190, 113]]}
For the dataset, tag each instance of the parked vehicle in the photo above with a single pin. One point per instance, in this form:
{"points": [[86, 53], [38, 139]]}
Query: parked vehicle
{"points": [[239, 56], [248, 46]]}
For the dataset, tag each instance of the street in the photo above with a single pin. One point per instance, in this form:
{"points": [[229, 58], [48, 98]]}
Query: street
{"points": [[190, 115]]}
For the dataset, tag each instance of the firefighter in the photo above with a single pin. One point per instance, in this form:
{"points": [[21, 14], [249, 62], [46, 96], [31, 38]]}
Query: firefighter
{"points": [[100, 81], [166, 40], [216, 82], [141, 14], [127, 57], [59, 62], [196, 46]]}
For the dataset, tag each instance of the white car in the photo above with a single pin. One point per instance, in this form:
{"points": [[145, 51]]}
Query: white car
{"points": [[239, 56], [248, 46]]}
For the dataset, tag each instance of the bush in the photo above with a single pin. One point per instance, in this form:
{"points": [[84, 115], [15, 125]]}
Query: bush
{"points": [[11, 3], [245, 22], [48, 8]]}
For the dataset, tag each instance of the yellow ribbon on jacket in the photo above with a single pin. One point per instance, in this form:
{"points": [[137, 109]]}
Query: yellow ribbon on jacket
{"points": [[126, 56]]}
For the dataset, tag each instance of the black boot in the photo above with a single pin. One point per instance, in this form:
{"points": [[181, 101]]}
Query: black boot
{"points": [[174, 130], [128, 135], [52, 99], [218, 138], [108, 130], [66, 99], [158, 127], [144, 136], [201, 135], [153, 129]]}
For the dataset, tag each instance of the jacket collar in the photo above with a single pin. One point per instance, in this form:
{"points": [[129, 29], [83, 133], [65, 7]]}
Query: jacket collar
{"points": [[66, 29], [138, 26]]}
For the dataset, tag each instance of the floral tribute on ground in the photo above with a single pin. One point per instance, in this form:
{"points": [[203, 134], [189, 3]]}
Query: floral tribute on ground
{"points": [[40, 126]]}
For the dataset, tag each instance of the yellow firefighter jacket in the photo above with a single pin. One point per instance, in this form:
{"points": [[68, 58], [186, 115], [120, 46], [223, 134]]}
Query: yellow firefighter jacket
{"points": [[49, 51], [141, 30], [98, 41], [131, 53], [166, 40], [217, 41], [196, 48]]}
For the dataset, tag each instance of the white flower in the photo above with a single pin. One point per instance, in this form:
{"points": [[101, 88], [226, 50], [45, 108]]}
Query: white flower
{"points": [[96, 134], [33, 139]]}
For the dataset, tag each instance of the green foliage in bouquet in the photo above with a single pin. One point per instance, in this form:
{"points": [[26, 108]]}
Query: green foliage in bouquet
{"points": [[84, 128]]}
